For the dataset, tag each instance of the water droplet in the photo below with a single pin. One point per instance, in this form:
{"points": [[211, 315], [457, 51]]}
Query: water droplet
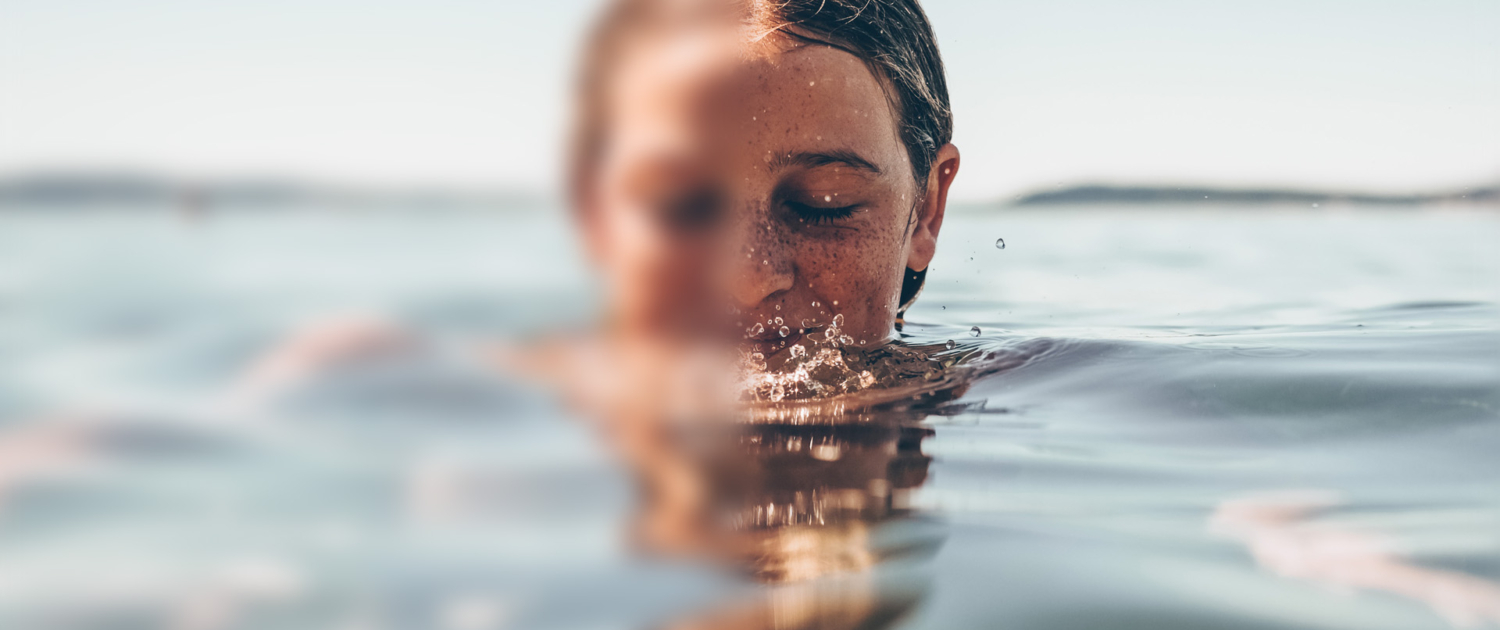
{"points": [[999, 243], [777, 321], [778, 307], [765, 262], [950, 345], [974, 331], [784, 330]]}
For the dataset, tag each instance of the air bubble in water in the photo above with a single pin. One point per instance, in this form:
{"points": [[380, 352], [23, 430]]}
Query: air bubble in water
{"points": [[807, 323], [974, 331], [999, 243], [950, 345], [798, 351], [838, 320], [776, 321], [757, 329], [784, 331]]}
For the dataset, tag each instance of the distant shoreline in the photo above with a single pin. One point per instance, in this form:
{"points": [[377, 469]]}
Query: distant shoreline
{"points": [[66, 190], [1099, 194]]}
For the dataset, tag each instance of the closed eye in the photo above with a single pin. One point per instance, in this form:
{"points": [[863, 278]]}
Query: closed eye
{"points": [[820, 216]]}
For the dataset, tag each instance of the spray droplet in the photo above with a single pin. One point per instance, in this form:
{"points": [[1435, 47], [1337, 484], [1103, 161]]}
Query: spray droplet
{"points": [[974, 331], [784, 330], [999, 243], [950, 345]]}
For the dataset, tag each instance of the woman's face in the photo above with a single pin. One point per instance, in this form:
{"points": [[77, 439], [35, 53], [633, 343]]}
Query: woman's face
{"points": [[767, 192]]}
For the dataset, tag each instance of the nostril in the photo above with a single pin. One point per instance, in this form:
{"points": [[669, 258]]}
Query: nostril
{"points": [[761, 282]]}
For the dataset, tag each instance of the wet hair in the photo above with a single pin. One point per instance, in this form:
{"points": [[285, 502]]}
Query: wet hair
{"points": [[892, 37], [895, 40]]}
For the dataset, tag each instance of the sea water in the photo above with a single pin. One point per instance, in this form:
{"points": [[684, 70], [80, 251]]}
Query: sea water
{"points": [[1228, 418]]}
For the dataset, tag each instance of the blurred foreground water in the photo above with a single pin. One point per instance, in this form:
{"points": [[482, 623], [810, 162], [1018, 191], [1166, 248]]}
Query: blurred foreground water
{"points": [[1252, 418]]}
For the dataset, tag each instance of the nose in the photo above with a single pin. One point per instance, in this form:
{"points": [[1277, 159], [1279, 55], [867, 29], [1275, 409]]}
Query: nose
{"points": [[763, 265]]}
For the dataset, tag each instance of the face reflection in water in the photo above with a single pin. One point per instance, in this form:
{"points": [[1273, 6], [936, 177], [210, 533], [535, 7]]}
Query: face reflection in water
{"points": [[813, 508]]}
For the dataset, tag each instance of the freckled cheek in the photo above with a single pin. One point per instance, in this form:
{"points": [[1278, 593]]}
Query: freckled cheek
{"points": [[855, 269]]}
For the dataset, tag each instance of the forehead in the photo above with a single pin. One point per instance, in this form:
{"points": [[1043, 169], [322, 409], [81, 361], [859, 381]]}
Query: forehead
{"points": [[657, 93], [714, 90], [811, 97]]}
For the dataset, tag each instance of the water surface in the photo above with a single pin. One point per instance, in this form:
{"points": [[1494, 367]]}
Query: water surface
{"points": [[1236, 418]]}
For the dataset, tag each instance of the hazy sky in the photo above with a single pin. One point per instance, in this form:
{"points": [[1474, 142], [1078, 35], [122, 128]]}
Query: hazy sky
{"points": [[1379, 94]]}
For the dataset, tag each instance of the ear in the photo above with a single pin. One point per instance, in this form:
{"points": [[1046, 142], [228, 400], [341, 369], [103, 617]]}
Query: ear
{"points": [[930, 210]]}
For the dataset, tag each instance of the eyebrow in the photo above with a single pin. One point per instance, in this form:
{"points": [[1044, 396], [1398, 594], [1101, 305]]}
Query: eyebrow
{"points": [[823, 158]]}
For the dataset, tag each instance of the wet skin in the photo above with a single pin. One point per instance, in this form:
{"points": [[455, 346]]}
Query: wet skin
{"points": [[756, 183]]}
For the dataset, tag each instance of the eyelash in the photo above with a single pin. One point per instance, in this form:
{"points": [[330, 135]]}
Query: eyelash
{"points": [[820, 216]]}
